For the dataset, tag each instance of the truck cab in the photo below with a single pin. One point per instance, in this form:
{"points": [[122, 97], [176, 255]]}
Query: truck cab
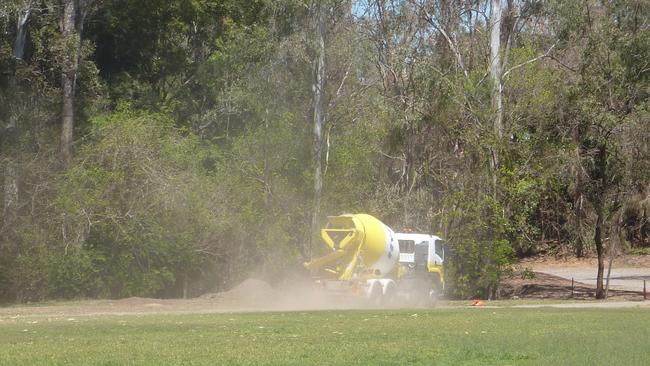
{"points": [[421, 258]]}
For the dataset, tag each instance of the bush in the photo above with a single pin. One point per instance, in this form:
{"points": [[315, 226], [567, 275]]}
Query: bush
{"points": [[479, 253]]}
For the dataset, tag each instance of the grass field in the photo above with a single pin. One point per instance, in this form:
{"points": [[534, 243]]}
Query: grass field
{"points": [[459, 336]]}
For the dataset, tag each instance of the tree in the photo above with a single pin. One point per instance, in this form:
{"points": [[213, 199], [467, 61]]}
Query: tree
{"points": [[605, 101], [73, 16], [496, 17], [318, 87]]}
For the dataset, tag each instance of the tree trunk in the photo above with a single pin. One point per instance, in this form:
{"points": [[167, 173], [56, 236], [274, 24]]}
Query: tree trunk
{"points": [[21, 30], [68, 75], [319, 120], [598, 240], [612, 252], [599, 205], [497, 86], [384, 46]]}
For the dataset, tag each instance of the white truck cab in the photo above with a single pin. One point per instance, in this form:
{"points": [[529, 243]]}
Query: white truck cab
{"points": [[421, 258], [420, 249]]}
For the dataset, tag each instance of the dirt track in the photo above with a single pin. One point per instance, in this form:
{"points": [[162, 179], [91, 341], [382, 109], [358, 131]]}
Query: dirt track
{"points": [[141, 306], [251, 295]]}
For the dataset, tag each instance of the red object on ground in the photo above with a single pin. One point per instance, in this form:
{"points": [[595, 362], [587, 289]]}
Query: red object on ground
{"points": [[477, 302]]}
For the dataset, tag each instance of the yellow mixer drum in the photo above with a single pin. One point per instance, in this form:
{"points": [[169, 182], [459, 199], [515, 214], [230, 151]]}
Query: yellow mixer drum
{"points": [[368, 243]]}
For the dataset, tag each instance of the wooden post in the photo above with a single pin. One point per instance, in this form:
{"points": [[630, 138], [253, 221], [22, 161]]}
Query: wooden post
{"points": [[572, 288], [645, 293]]}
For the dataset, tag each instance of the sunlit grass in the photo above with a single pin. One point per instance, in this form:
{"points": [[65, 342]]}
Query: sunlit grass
{"points": [[467, 336]]}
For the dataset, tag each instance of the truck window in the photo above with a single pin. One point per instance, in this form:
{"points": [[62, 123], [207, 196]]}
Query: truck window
{"points": [[406, 246], [440, 249]]}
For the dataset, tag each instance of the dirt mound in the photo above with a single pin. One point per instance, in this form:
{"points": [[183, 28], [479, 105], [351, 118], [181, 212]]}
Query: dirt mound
{"points": [[136, 301], [250, 290]]}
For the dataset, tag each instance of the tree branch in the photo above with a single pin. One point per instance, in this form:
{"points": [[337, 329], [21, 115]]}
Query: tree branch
{"points": [[528, 62], [429, 18]]}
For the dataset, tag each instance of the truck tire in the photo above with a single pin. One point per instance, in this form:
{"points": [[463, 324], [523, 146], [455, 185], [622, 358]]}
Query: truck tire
{"points": [[389, 293], [432, 298], [375, 293]]}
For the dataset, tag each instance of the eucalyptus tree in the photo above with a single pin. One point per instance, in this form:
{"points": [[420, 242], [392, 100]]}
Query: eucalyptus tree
{"points": [[73, 15], [318, 87]]}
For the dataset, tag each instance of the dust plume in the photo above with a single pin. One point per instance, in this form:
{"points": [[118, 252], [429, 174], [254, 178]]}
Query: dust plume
{"points": [[295, 295]]}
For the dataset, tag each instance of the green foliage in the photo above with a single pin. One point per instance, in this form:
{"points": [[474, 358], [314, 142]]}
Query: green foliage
{"points": [[480, 254], [139, 200], [640, 251], [139, 214], [353, 162], [527, 274], [268, 191]]}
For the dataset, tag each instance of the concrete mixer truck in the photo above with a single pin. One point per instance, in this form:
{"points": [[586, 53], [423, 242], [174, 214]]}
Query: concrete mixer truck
{"points": [[368, 259]]}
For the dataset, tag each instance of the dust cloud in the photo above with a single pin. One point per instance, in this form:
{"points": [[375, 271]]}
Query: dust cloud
{"points": [[251, 295], [298, 295], [256, 294]]}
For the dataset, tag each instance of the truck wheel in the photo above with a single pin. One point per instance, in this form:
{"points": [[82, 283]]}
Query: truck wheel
{"points": [[432, 298], [435, 291], [389, 294], [421, 291], [375, 294]]}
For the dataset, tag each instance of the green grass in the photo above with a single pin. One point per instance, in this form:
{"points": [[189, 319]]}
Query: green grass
{"points": [[462, 336]]}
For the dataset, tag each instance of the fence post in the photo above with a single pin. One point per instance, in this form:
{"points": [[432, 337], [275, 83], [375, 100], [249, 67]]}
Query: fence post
{"points": [[645, 293]]}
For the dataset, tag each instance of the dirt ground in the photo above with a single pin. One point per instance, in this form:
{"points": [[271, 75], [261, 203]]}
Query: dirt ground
{"points": [[251, 295], [547, 286], [539, 279], [628, 273]]}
